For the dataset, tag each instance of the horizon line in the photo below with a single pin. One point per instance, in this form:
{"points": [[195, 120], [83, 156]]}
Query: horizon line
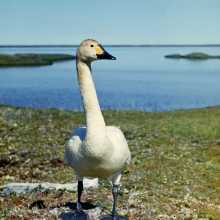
{"points": [[118, 45]]}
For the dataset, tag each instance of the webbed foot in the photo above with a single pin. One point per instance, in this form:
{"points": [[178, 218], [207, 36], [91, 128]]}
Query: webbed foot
{"points": [[79, 214], [116, 217]]}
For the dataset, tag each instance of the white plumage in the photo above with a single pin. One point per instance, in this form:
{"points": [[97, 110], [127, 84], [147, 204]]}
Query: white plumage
{"points": [[103, 162], [95, 150]]}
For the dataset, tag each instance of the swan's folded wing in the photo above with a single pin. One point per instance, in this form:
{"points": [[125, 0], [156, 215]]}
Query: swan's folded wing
{"points": [[74, 144], [118, 140], [80, 132]]}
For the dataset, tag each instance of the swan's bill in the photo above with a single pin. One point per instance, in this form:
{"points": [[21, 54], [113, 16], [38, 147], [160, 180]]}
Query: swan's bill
{"points": [[102, 54]]}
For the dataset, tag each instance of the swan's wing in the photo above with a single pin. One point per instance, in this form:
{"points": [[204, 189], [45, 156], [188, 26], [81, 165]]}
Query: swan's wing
{"points": [[80, 132], [72, 152], [118, 140], [74, 144], [121, 151]]}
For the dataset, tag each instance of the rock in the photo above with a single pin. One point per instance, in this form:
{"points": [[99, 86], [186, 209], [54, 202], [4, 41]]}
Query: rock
{"points": [[23, 187], [126, 191], [217, 142], [54, 211], [94, 212]]}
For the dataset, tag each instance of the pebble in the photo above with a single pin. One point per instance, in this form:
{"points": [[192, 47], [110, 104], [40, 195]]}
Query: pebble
{"points": [[217, 142], [54, 211], [94, 212]]}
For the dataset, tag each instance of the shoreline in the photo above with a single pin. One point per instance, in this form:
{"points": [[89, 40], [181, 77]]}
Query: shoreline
{"points": [[105, 110], [121, 45], [29, 59]]}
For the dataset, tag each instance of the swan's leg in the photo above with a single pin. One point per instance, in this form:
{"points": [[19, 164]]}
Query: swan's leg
{"points": [[114, 215], [79, 190], [115, 195], [79, 213]]}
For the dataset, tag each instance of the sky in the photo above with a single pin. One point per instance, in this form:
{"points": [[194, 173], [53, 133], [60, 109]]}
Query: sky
{"points": [[69, 22]]}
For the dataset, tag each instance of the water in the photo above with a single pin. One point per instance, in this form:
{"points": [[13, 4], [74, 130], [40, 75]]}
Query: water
{"points": [[141, 79]]}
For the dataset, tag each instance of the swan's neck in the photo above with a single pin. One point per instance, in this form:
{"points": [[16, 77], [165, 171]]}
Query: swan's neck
{"points": [[96, 128]]}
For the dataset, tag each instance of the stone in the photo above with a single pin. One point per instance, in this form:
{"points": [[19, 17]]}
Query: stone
{"points": [[24, 187]]}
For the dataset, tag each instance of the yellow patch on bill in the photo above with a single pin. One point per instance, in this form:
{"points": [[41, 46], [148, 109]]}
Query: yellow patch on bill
{"points": [[98, 50]]}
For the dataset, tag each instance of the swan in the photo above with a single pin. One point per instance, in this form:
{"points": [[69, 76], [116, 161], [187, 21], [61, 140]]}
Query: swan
{"points": [[95, 150]]}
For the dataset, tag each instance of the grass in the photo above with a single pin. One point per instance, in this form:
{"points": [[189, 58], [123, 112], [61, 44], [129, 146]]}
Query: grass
{"points": [[193, 56], [32, 59], [175, 167]]}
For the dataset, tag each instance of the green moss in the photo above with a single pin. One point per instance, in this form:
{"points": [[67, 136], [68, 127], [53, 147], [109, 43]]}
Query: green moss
{"points": [[32, 59]]}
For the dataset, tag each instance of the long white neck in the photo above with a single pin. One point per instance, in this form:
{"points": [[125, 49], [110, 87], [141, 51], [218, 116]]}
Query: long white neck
{"points": [[96, 129]]}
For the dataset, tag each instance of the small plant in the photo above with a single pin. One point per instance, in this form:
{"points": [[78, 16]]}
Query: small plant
{"points": [[13, 193]]}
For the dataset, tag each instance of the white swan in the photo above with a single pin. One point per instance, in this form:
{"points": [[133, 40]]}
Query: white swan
{"points": [[95, 150]]}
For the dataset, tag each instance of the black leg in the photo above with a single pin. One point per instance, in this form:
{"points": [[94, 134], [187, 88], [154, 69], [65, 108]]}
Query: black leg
{"points": [[115, 195], [79, 213], [79, 190], [114, 215]]}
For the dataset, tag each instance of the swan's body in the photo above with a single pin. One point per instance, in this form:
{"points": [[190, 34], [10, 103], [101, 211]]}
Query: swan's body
{"points": [[106, 160], [95, 150]]}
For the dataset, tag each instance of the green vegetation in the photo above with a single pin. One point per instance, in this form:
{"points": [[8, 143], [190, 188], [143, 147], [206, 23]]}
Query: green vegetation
{"points": [[193, 56], [32, 59], [174, 174]]}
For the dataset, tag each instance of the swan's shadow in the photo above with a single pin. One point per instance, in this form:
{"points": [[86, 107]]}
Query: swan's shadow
{"points": [[69, 215]]}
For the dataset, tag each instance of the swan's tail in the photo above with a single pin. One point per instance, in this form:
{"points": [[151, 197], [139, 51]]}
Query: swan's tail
{"points": [[90, 183]]}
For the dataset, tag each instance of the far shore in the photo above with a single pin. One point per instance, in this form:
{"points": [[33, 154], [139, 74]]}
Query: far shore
{"points": [[16, 60], [123, 45], [193, 56]]}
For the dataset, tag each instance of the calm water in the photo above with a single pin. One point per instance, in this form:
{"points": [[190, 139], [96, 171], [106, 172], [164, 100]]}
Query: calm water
{"points": [[141, 78]]}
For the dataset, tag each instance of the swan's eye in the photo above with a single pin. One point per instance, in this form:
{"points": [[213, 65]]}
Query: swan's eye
{"points": [[91, 45]]}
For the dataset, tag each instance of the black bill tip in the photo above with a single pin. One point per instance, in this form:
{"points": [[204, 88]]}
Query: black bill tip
{"points": [[106, 56]]}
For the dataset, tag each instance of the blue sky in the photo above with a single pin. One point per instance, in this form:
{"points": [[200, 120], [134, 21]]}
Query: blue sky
{"points": [[67, 22]]}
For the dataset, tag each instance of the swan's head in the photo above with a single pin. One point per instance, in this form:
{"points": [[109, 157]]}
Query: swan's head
{"points": [[91, 50]]}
